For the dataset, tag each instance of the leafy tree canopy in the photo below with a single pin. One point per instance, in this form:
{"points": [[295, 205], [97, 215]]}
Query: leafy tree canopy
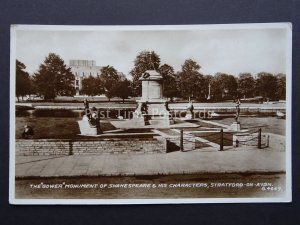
{"points": [[92, 86], [145, 60], [224, 86], [23, 82], [191, 79], [122, 89], [246, 85], [109, 77], [266, 85], [54, 78]]}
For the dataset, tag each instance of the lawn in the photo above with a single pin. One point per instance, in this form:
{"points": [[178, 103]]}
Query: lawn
{"points": [[67, 127], [267, 124], [54, 127]]}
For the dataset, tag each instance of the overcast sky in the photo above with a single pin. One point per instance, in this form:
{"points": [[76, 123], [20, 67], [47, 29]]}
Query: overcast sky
{"points": [[227, 50]]}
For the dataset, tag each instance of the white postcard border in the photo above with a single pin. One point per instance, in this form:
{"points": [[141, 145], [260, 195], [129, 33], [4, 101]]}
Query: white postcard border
{"points": [[288, 193]]}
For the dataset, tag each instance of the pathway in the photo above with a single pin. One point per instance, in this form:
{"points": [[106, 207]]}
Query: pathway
{"points": [[206, 160]]}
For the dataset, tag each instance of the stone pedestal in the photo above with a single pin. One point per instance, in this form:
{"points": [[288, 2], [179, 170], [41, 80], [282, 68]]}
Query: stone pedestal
{"points": [[152, 97], [152, 110], [235, 126], [189, 116], [156, 114], [86, 128]]}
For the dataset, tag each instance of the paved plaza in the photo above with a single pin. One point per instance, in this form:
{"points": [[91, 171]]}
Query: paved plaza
{"points": [[208, 160]]}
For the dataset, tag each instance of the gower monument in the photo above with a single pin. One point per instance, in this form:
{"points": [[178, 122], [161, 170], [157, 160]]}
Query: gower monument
{"points": [[152, 109]]}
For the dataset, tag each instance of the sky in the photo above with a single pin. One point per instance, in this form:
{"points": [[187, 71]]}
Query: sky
{"points": [[231, 51]]}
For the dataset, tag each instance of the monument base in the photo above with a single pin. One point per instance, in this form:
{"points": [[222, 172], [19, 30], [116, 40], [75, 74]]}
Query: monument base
{"points": [[162, 121], [189, 116], [156, 115], [86, 128], [235, 126]]}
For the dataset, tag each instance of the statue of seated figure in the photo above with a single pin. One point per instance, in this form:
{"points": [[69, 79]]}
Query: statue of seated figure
{"points": [[138, 111], [189, 111]]}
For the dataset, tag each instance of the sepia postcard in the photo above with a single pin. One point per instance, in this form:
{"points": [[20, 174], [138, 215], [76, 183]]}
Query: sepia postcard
{"points": [[150, 114]]}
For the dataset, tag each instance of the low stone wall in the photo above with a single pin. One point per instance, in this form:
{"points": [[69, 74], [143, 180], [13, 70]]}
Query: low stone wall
{"points": [[240, 140], [42, 147]]}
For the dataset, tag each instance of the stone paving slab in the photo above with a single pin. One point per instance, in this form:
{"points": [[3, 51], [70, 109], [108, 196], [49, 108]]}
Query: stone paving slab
{"points": [[206, 160]]}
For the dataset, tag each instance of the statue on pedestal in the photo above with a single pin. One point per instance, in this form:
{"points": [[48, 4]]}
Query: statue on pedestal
{"points": [[138, 111], [190, 111], [95, 120], [90, 123], [236, 126], [237, 109], [86, 104]]}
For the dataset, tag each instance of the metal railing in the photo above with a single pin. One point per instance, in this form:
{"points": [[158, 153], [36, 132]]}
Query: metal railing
{"points": [[255, 139]]}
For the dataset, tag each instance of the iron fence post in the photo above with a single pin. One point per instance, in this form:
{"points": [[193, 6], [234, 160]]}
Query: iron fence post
{"points": [[221, 140], [181, 140], [259, 138]]}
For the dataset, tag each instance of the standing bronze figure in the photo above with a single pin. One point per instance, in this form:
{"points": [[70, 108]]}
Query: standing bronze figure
{"points": [[237, 109]]}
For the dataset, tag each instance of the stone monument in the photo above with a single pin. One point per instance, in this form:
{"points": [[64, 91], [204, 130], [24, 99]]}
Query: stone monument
{"points": [[152, 109]]}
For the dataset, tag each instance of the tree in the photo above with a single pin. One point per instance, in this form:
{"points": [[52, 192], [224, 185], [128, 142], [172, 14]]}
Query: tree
{"points": [[92, 86], [224, 86], [54, 78], [281, 86], [246, 85], [191, 80], [232, 86], [144, 61], [170, 89], [23, 82], [122, 89], [266, 85], [109, 77]]}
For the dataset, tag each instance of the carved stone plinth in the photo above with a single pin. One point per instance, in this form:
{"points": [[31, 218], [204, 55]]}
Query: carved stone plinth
{"points": [[235, 126]]}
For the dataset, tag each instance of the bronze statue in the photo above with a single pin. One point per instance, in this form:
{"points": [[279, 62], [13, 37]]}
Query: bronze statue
{"points": [[86, 108], [86, 104], [144, 107], [167, 106], [237, 109]]}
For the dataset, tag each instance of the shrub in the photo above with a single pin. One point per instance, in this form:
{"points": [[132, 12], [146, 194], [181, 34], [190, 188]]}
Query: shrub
{"points": [[22, 113], [54, 113]]}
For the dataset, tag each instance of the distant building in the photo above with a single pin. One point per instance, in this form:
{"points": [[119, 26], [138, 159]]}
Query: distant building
{"points": [[84, 68]]}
